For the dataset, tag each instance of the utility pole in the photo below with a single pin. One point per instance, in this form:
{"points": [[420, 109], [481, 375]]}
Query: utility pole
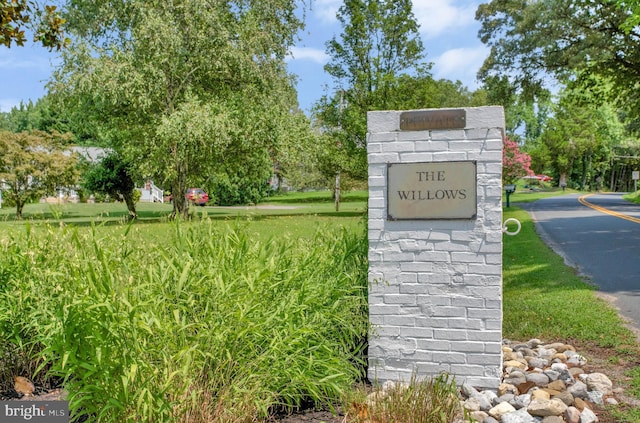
{"points": [[337, 186]]}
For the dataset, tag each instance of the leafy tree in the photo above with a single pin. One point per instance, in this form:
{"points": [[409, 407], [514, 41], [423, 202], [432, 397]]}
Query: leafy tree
{"points": [[525, 114], [379, 43], [112, 176], [633, 19], [582, 133], [515, 164], [41, 116], [179, 87], [377, 63], [33, 164], [24, 117], [420, 90], [46, 23], [533, 40]]}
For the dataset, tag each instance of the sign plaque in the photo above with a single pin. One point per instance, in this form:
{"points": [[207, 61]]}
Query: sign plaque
{"points": [[434, 190], [422, 120]]}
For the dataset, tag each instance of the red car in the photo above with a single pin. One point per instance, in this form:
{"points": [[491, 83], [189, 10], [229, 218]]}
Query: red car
{"points": [[194, 196], [197, 196], [544, 178]]}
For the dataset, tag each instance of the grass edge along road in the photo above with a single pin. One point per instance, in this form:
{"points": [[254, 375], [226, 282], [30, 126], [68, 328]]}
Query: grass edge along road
{"points": [[546, 299]]}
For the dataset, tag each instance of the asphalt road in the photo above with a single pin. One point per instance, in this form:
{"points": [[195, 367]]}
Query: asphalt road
{"points": [[600, 236]]}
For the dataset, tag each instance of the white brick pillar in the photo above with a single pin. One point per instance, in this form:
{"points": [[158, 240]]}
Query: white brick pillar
{"points": [[435, 294]]}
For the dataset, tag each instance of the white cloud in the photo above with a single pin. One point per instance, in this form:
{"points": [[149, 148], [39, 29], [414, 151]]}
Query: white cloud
{"points": [[326, 10], [441, 16], [460, 64], [308, 53]]}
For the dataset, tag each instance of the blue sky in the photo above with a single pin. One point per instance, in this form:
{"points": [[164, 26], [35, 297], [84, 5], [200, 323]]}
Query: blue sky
{"points": [[447, 27]]}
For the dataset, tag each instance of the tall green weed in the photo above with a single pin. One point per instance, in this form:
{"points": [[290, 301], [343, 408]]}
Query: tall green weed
{"points": [[209, 325]]}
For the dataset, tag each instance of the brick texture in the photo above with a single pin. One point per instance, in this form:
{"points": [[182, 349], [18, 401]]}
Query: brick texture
{"points": [[435, 292]]}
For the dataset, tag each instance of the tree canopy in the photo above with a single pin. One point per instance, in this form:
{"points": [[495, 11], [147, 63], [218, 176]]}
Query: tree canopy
{"points": [[180, 86], [44, 21], [533, 41], [376, 63], [33, 164]]}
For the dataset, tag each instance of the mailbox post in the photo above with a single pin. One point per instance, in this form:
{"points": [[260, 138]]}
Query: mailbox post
{"points": [[509, 189]]}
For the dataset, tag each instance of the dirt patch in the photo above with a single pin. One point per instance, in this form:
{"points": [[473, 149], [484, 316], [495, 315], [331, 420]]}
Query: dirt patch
{"points": [[312, 416]]}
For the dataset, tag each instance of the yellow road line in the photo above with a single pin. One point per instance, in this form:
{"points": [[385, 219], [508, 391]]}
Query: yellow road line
{"points": [[606, 211]]}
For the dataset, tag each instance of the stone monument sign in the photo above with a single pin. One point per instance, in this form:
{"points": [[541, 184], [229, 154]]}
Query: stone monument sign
{"points": [[435, 244]]}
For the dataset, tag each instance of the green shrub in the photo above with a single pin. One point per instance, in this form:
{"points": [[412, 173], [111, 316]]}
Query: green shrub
{"points": [[210, 325]]}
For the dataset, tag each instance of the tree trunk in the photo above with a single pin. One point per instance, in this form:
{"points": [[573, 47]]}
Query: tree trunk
{"points": [[19, 207], [180, 204], [131, 205]]}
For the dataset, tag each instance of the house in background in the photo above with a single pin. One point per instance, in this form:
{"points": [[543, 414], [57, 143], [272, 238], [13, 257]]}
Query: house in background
{"points": [[150, 193]]}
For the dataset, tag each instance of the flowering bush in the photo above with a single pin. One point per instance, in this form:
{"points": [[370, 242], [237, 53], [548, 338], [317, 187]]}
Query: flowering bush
{"points": [[515, 164]]}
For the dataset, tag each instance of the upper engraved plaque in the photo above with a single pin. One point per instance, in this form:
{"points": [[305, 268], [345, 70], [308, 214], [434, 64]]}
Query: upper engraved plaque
{"points": [[423, 120]]}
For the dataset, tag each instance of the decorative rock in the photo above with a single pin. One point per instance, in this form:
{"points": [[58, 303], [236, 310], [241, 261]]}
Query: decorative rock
{"points": [[509, 356], [578, 390], [490, 395], [559, 367], [483, 401], [540, 379], [499, 410], [471, 404], [545, 353], [552, 374], [566, 377], [541, 384], [565, 397], [518, 347], [580, 404], [507, 388], [566, 348], [516, 364], [536, 362], [588, 416], [560, 357], [515, 378], [523, 388], [577, 360], [576, 371], [599, 382], [552, 392], [527, 352], [557, 385], [518, 416], [521, 401], [542, 408], [558, 346], [479, 416], [595, 397], [505, 398], [534, 343], [540, 394], [467, 390], [572, 415]]}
